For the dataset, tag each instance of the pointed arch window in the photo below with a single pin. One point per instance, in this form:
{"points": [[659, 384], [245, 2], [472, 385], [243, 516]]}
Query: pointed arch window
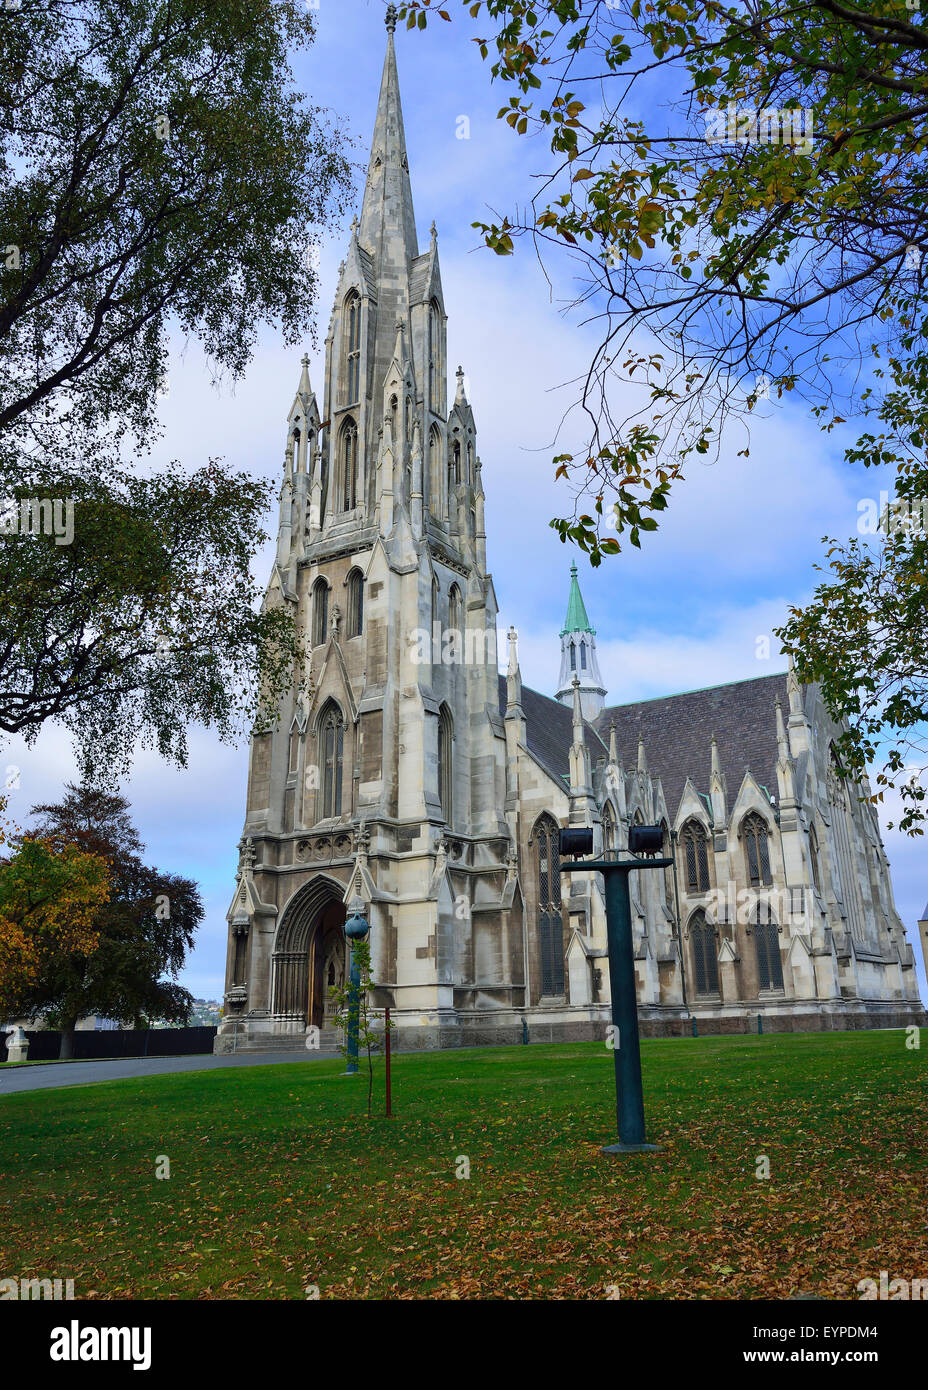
{"points": [[813, 859], [454, 466], [573, 657], [582, 656], [296, 448], [454, 608], [407, 421], [320, 611], [294, 761], [550, 921], [470, 463], [353, 347], [331, 752], [435, 469], [695, 844], [609, 836], [355, 620], [434, 354], [349, 465], [755, 834], [767, 945], [705, 955], [445, 764]]}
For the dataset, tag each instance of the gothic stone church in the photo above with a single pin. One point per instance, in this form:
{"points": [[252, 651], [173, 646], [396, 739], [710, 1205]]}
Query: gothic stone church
{"points": [[405, 775]]}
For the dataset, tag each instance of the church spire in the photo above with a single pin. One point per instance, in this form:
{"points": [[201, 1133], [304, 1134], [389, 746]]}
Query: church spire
{"points": [[578, 656], [388, 224]]}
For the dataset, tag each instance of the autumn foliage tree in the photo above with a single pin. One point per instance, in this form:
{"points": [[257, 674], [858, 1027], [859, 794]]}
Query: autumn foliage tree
{"points": [[142, 932], [52, 892]]}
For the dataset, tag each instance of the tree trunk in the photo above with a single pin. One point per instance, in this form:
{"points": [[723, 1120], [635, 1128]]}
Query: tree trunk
{"points": [[66, 1051]]}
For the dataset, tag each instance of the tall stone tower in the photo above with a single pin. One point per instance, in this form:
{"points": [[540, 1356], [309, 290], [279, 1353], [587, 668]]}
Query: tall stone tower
{"points": [[578, 656], [387, 768]]}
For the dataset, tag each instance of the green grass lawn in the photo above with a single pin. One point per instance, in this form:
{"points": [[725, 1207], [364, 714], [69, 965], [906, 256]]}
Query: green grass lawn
{"points": [[279, 1181]]}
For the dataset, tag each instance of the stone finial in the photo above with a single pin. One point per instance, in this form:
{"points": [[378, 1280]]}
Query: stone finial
{"points": [[513, 650], [642, 756], [391, 19], [433, 232], [613, 749]]}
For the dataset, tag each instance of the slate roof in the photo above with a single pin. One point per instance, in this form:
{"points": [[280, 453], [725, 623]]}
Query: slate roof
{"points": [[549, 731], [677, 731]]}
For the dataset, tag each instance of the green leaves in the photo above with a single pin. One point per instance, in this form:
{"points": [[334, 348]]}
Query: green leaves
{"points": [[147, 621]]}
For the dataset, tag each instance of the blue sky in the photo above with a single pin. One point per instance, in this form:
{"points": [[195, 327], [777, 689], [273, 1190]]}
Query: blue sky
{"points": [[686, 611]]}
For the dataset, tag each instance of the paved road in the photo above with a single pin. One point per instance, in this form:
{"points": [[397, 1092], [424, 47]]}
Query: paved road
{"points": [[43, 1075]]}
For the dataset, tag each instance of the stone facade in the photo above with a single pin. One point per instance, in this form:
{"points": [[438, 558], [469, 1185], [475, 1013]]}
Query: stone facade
{"points": [[406, 772]]}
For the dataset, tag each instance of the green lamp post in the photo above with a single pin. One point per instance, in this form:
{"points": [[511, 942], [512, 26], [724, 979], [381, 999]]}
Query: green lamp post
{"points": [[646, 840], [356, 929]]}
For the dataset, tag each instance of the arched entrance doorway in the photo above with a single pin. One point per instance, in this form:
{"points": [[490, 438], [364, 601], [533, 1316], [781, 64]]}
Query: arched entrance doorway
{"points": [[326, 963], [309, 954]]}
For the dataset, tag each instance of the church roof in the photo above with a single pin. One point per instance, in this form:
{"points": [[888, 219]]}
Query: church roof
{"points": [[678, 729], [677, 732], [576, 620], [549, 731]]}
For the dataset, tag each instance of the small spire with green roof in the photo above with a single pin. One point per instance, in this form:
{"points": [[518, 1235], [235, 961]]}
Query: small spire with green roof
{"points": [[579, 663], [576, 620]]}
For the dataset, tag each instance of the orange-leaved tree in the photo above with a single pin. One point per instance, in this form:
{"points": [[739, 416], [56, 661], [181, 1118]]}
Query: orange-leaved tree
{"points": [[51, 892]]}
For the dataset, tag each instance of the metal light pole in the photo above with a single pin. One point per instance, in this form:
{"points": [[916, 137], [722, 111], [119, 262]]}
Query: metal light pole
{"points": [[642, 839], [356, 929]]}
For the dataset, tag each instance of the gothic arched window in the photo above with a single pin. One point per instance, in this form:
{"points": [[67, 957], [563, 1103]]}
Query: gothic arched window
{"points": [[355, 618], [573, 657], [550, 923], [445, 766], [320, 612], [294, 760], [434, 354], [349, 465], [767, 943], [454, 466], [813, 859], [705, 956], [609, 837], [353, 347], [435, 469], [331, 751], [296, 448], [454, 608], [470, 463], [695, 857], [582, 656], [407, 421], [755, 834]]}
